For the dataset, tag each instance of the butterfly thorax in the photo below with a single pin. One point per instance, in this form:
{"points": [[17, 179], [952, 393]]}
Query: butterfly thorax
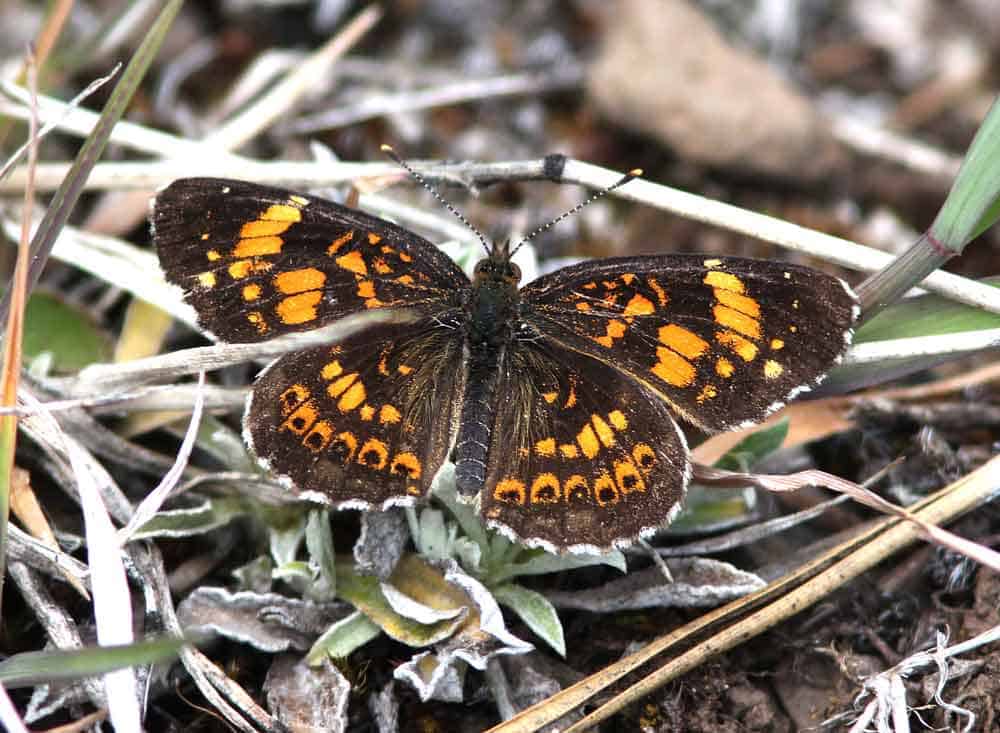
{"points": [[493, 300], [493, 309]]}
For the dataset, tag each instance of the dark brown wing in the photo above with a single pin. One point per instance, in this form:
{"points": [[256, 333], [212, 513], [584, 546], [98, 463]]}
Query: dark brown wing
{"points": [[725, 341], [582, 456], [365, 423], [256, 262]]}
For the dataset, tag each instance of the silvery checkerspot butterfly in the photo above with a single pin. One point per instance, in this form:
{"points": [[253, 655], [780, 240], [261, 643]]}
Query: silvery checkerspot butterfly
{"points": [[556, 400]]}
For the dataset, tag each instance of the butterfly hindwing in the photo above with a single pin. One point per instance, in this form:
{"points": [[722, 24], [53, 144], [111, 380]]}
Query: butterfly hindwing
{"points": [[725, 341], [256, 262], [364, 423], [582, 456]]}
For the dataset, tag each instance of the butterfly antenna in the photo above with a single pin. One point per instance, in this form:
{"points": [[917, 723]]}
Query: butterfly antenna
{"points": [[387, 149], [634, 173]]}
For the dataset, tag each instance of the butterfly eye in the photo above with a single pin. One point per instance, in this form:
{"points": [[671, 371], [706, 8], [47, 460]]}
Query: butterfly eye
{"points": [[513, 273]]}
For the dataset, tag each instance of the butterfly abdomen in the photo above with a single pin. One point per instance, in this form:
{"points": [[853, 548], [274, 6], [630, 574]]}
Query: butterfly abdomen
{"points": [[475, 425]]}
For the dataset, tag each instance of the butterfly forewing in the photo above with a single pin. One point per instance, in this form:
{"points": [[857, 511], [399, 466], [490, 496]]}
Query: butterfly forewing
{"points": [[364, 423], [256, 262], [582, 456], [725, 341]]}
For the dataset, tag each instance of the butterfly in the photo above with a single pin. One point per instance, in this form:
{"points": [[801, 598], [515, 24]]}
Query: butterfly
{"points": [[557, 400]]}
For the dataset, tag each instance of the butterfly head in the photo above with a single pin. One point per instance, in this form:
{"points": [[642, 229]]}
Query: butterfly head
{"points": [[497, 267]]}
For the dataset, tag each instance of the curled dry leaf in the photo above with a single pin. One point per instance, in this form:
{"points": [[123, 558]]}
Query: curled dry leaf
{"points": [[267, 621], [698, 583], [481, 636]]}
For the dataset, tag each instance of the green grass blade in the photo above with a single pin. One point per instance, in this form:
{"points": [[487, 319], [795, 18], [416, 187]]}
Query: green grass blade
{"points": [[976, 190], [34, 668], [69, 192], [972, 205]]}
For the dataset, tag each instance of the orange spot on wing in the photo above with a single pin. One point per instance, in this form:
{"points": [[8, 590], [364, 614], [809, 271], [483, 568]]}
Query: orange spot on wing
{"points": [[212, 255], [354, 262], [661, 294], [583, 306], [724, 367], [673, 369], [373, 454], [639, 305], [345, 444], [588, 442], [339, 242], [281, 212], [742, 303], [627, 477], [388, 415], [772, 369], [739, 322], [381, 266], [605, 490], [546, 447], [645, 457], [319, 436], [684, 342], [299, 281], [366, 289], [258, 246], [353, 397], [550, 397], [510, 491], [239, 270], [257, 319], [292, 398], [206, 279], [260, 228], [299, 308], [331, 370], [724, 280], [614, 330], [618, 420], [603, 430], [406, 463], [367, 412], [743, 348], [335, 389], [576, 489], [707, 393], [301, 419], [545, 489], [568, 450], [374, 238]]}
